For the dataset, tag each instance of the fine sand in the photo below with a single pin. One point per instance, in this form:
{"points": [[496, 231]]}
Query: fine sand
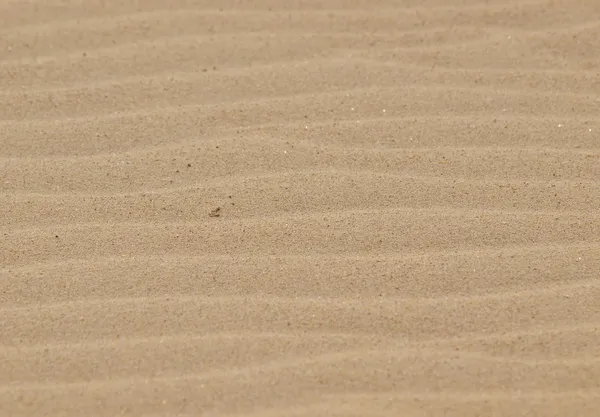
{"points": [[299, 208]]}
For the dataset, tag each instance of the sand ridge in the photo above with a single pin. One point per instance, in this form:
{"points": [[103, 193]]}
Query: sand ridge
{"points": [[301, 208]]}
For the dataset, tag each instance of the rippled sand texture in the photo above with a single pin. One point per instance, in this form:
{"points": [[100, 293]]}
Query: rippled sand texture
{"points": [[408, 217]]}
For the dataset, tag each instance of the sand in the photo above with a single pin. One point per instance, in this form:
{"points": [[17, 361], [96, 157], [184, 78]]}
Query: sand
{"points": [[299, 208]]}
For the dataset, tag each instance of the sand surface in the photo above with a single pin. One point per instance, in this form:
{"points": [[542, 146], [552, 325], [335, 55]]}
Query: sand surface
{"points": [[299, 208]]}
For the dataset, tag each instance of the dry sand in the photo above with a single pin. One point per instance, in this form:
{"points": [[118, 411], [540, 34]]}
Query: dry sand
{"points": [[407, 198]]}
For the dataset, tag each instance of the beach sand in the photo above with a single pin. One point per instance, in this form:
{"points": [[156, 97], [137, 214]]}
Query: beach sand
{"points": [[299, 208]]}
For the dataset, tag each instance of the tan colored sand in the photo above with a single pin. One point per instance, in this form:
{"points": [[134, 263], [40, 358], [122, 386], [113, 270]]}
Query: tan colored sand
{"points": [[299, 208]]}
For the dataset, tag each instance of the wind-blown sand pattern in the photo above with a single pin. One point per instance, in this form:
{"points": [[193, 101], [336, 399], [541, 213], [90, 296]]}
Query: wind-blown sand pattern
{"points": [[299, 208]]}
